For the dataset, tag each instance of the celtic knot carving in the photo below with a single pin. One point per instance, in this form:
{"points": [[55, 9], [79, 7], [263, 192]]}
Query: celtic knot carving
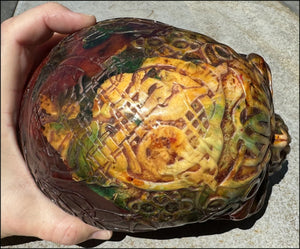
{"points": [[138, 125]]}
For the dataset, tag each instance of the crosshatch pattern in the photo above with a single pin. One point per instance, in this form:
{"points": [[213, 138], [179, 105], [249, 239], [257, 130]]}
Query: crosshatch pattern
{"points": [[146, 126]]}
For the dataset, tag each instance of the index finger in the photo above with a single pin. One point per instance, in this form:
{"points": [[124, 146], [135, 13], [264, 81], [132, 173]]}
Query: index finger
{"points": [[38, 24], [21, 37]]}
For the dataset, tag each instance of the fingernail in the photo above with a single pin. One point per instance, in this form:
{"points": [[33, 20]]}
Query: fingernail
{"points": [[91, 17], [84, 15], [101, 234], [88, 15]]}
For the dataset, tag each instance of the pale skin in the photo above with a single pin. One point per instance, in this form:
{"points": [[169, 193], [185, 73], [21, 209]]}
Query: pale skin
{"points": [[25, 211]]}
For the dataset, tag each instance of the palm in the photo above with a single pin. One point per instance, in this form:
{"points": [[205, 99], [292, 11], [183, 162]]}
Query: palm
{"points": [[24, 209]]}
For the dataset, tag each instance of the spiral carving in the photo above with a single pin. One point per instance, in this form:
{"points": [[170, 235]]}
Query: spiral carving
{"points": [[166, 126]]}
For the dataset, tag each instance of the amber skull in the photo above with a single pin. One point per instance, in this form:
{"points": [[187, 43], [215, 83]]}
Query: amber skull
{"points": [[134, 125]]}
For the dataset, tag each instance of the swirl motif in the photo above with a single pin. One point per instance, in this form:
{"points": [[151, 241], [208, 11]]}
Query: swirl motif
{"points": [[168, 133], [165, 126]]}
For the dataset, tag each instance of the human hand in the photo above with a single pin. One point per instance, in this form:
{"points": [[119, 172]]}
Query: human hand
{"points": [[25, 39]]}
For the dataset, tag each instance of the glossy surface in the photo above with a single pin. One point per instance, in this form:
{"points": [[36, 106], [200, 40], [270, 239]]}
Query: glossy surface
{"points": [[141, 125]]}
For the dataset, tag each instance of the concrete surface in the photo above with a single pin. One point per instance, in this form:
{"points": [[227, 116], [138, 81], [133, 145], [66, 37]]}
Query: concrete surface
{"points": [[293, 5], [7, 9], [265, 27]]}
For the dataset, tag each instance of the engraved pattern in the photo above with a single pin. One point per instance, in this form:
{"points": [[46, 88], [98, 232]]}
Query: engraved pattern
{"points": [[144, 137], [138, 125]]}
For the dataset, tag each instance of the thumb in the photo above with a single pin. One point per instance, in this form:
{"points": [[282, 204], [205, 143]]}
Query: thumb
{"points": [[25, 210], [46, 19], [49, 222], [57, 226]]}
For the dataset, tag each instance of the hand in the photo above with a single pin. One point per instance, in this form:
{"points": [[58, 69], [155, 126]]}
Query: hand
{"points": [[25, 39]]}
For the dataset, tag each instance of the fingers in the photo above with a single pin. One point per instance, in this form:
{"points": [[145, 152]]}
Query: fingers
{"points": [[21, 39], [35, 215], [57, 226], [65, 229], [38, 24], [25, 210]]}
